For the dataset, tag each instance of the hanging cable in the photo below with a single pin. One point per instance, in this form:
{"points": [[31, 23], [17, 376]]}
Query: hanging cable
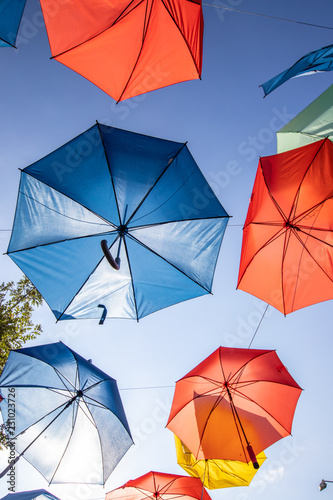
{"points": [[268, 17], [262, 317]]}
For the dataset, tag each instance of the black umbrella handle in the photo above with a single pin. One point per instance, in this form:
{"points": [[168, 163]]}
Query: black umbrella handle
{"points": [[252, 456], [113, 262]]}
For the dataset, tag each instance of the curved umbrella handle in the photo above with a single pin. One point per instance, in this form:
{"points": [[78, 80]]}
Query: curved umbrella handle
{"points": [[113, 262]]}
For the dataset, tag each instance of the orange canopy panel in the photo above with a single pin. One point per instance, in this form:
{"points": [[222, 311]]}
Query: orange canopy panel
{"points": [[126, 47], [233, 400], [287, 249]]}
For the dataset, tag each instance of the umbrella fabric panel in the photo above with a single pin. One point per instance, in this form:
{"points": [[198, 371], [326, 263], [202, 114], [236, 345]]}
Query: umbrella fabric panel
{"points": [[318, 60], [24, 370], [74, 168], [110, 288], [190, 246], [136, 162], [181, 193], [30, 495], [312, 124], [10, 17], [80, 21], [68, 264], [24, 415], [301, 280], [159, 286], [216, 474], [111, 434], [44, 215], [107, 393]]}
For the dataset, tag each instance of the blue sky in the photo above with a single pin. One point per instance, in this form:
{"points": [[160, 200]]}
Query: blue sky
{"points": [[228, 125]]}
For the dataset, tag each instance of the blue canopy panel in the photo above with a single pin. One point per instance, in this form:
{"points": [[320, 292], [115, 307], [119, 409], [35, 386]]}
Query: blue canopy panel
{"points": [[44, 215], [30, 495], [98, 415], [11, 12], [318, 60], [80, 170], [60, 270], [136, 162]]}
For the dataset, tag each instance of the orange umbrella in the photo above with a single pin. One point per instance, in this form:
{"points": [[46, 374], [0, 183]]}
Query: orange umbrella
{"points": [[160, 486], [234, 404], [127, 47], [287, 250]]}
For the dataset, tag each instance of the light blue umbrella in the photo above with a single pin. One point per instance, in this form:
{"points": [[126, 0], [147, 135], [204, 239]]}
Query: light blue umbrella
{"points": [[64, 415], [119, 221], [10, 17], [319, 60], [30, 495]]}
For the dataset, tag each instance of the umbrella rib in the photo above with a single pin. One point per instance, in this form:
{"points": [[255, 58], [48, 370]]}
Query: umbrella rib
{"points": [[165, 260], [297, 194], [158, 178], [184, 39], [79, 290], [69, 438], [310, 255], [120, 16], [111, 176], [153, 224], [266, 411], [275, 203], [132, 280], [268, 242], [63, 215], [168, 199], [61, 241], [65, 405], [144, 33]]}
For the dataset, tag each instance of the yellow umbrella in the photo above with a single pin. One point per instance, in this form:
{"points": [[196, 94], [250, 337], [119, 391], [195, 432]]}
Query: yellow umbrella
{"points": [[216, 473]]}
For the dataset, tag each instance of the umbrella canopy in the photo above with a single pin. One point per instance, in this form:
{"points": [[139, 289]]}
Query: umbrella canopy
{"points": [[69, 421], [128, 47], [312, 124], [234, 404], [10, 17], [216, 474], [30, 495], [318, 60], [287, 249], [160, 486], [143, 198]]}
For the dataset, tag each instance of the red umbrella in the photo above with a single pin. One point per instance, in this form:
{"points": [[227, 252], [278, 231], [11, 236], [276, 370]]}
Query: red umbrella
{"points": [[128, 47], [234, 404], [287, 250], [160, 486]]}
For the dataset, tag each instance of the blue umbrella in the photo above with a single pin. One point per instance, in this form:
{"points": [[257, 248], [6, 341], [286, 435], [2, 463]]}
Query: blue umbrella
{"points": [[63, 414], [117, 224], [319, 60], [30, 495], [10, 17]]}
